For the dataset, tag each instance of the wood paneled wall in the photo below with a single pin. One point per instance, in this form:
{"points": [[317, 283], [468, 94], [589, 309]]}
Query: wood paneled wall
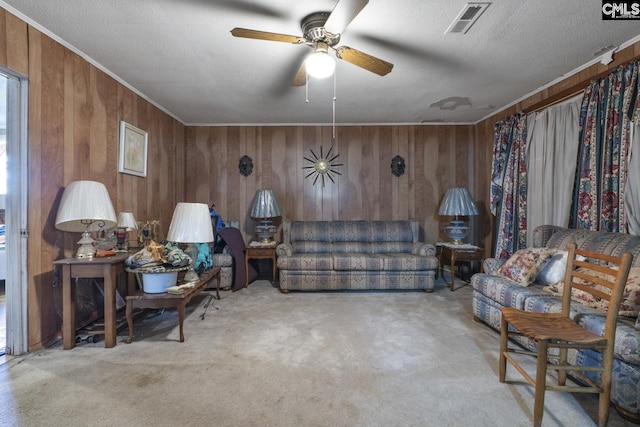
{"points": [[437, 157], [74, 115]]}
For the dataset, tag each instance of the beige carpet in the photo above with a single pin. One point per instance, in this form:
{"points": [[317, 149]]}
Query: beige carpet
{"points": [[303, 359]]}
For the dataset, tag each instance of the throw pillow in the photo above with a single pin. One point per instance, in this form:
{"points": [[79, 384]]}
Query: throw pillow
{"points": [[524, 265], [629, 306], [584, 298], [554, 268]]}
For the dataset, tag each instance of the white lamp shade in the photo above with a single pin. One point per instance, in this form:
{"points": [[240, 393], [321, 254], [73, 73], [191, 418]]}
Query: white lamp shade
{"points": [[191, 223], [320, 65], [457, 202], [84, 203], [127, 221], [265, 205]]}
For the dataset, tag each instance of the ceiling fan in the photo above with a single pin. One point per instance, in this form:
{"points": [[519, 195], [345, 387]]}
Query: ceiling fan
{"points": [[321, 31]]}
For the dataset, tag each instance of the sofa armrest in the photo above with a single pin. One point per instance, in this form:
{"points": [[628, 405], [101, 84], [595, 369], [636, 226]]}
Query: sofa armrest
{"points": [[423, 249], [491, 265], [284, 249]]}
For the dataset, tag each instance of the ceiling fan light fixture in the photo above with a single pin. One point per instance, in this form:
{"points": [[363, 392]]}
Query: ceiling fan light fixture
{"points": [[319, 64]]}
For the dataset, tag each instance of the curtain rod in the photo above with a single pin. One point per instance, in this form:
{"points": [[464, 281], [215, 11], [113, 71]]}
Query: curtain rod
{"points": [[570, 91], [552, 103], [561, 97]]}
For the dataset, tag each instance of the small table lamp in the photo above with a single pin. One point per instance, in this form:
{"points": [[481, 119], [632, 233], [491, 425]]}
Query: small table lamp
{"points": [[191, 223], [264, 207], [84, 203], [457, 202], [126, 222]]}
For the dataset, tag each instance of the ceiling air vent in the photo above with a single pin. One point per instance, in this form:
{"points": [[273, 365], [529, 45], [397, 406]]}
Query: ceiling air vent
{"points": [[467, 18]]}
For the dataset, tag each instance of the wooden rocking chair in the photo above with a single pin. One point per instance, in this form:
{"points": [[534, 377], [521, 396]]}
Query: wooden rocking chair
{"points": [[559, 331]]}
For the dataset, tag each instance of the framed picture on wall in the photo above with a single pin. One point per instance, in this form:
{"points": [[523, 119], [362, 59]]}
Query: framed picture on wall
{"points": [[133, 150]]}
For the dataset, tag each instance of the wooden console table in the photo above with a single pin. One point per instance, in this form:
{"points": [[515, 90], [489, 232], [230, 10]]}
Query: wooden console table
{"points": [[140, 299], [107, 268]]}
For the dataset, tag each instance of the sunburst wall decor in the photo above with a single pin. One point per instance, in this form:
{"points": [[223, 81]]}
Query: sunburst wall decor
{"points": [[321, 166]]}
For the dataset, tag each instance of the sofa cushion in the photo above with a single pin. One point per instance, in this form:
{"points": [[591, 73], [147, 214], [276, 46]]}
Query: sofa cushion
{"points": [[317, 231], [391, 247], [357, 261], [554, 268], [352, 247], [222, 260], [311, 247], [350, 231], [302, 261], [505, 291], [584, 298], [561, 239], [492, 265], [596, 241], [524, 265], [630, 304], [391, 231], [407, 262]]}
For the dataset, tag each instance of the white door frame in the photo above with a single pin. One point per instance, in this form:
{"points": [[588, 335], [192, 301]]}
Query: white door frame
{"points": [[16, 283]]}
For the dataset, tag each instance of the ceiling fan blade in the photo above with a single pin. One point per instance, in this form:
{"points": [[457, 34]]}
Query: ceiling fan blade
{"points": [[343, 14], [301, 75], [263, 35], [363, 60]]}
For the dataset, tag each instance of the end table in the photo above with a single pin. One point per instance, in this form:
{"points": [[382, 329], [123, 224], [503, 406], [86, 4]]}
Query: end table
{"points": [[452, 253], [106, 268], [260, 251]]}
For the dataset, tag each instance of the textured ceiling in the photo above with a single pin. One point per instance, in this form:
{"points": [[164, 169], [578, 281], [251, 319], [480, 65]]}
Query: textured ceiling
{"points": [[180, 55]]}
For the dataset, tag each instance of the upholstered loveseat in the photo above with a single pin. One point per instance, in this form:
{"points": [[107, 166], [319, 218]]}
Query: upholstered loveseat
{"points": [[224, 260], [492, 291], [335, 255]]}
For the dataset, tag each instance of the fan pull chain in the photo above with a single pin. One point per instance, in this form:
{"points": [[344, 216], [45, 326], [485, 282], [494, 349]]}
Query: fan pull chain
{"points": [[306, 89], [334, 105]]}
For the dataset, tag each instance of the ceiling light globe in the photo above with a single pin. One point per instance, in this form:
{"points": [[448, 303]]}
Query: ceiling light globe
{"points": [[320, 65]]}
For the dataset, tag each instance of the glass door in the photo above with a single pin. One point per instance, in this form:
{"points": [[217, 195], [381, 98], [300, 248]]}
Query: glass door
{"points": [[3, 210]]}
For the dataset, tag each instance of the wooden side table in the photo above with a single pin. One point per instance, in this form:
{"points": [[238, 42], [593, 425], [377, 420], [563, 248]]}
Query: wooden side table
{"points": [[451, 253], [260, 252], [107, 268], [165, 300]]}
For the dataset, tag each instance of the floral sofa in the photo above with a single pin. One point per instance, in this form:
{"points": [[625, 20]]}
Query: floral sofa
{"points": [[492, 291], [335, 255]]}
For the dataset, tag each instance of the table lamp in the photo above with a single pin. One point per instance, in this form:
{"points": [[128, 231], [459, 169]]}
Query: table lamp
{"points": [[191, 223], [126, 222], [264, 207], [83, 204], [457, 202]]}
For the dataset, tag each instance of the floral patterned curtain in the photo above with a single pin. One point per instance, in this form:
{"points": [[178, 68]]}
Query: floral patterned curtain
{"points": [[509, 184], [607, 108]]}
